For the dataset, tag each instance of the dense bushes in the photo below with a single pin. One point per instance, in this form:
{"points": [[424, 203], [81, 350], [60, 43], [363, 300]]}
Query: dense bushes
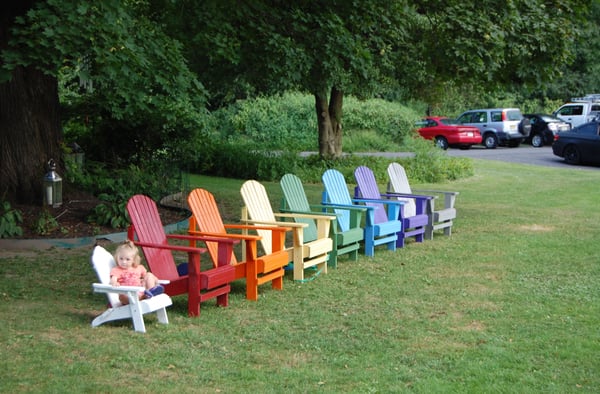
{"points": [[262, 139]]}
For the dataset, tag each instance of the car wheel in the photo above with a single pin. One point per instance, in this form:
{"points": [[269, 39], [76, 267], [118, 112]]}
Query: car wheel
{"points": [[490, 141], [572, 155], [537, 140], [441, 142]]}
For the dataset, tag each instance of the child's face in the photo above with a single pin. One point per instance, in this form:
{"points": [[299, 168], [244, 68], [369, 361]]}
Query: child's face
{"points": [[125, 259]]}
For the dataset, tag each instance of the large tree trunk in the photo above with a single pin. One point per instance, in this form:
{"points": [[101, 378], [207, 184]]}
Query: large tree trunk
{"points": [[30, 131], [329, 115]]}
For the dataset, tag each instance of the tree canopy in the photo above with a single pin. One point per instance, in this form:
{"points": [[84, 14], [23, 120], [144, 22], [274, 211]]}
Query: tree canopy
{"points": [[145, 68]]}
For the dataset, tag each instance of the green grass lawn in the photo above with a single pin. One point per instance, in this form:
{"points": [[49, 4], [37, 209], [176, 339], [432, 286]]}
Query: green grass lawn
{"points": [[509, 303]]}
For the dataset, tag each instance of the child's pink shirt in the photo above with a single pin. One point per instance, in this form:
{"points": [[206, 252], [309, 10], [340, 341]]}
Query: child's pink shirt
{"points": [[133, 276]]}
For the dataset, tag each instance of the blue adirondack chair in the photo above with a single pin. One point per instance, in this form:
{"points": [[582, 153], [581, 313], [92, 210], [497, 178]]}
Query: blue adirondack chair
{"points": [[346, 240], [413, 225], [381, 226]]}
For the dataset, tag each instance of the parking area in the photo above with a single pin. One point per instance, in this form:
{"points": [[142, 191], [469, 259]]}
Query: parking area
{"points": [[524, 154]]}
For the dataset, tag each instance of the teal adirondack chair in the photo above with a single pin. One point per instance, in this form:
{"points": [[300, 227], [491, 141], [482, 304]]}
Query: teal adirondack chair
{"points": [[413, 223], [346, 239], [381, 226]]}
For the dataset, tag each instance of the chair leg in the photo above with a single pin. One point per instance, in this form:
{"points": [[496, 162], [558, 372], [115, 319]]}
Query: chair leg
{"points": [[136, 314], [400, 240], [251, 281], [369, 242], [223, 299], [161, 315], [448, 231]]}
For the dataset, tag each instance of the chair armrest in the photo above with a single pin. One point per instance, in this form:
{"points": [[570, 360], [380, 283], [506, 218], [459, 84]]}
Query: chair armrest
{"points": [[102, 288], [244, 237], [201, 238], [178, 248], [348, 207], [274, 228], [289, 225], [307, 215], [425, 191], [409, 195], [449, 197], [374, 200]]}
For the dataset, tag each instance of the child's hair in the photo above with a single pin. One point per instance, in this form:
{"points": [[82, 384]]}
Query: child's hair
{"points": [[129, 247]]}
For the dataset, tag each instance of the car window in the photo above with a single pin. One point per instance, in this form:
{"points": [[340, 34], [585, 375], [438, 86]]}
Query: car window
{"points": [[595, 107], [464, 118], [571, 110], [514, 114], [496, 116], [449, 121], [479, 117]]}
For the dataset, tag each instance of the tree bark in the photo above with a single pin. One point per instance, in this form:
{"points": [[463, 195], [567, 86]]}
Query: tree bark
{"points": [[329, 116], [30, 132]]}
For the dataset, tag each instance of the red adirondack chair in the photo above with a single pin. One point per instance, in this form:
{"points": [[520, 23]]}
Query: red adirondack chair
{"points": [[257, 270], [147, 231]]}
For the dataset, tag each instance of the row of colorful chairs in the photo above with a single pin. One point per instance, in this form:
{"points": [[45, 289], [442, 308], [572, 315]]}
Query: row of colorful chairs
{"points": [[319, 233]]}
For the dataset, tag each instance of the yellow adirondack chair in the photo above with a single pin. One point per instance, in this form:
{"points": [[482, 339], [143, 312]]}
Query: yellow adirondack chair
{"points": [[303, 253]]}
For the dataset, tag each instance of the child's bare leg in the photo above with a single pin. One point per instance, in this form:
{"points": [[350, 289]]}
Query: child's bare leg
{"points": [[124, 299], [150, 281]]}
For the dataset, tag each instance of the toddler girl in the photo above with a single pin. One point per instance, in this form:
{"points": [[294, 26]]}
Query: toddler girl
{"points": [[129, 272]]}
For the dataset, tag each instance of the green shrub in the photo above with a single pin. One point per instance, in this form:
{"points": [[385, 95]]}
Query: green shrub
{"points": [[10, 220], [45, 223], [114, 188], [288, 122], [112, 211]]}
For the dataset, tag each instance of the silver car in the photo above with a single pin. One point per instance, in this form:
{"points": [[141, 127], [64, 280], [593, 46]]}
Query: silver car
{"points": [[498, 126]]}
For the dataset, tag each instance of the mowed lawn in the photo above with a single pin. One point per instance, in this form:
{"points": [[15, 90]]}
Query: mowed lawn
{"points": [[509, 303]]}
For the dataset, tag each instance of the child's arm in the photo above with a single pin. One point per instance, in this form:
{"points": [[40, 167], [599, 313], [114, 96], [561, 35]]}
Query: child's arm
{"points": [[114, 281]]}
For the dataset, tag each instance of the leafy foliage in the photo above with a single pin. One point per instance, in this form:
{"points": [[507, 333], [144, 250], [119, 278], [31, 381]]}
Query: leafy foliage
{"points": [[10, 220], [45, 223], [125, 86], [250, 134]]}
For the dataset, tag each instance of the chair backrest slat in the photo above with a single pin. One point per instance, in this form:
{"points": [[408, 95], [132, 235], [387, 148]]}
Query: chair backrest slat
{"points": [[367, 184], [149, 229], [296, 200]]}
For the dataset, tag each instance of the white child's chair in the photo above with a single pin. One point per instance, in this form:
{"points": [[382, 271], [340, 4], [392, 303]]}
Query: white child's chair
{"points": [[103, 262]]}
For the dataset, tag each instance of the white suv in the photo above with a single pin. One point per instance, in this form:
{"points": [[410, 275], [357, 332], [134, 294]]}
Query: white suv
{"points": [[498, 126], [580, 110]]}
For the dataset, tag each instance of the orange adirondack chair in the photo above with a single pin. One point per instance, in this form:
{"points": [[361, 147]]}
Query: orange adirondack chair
{"points": [[147, 231], [257, 270]]}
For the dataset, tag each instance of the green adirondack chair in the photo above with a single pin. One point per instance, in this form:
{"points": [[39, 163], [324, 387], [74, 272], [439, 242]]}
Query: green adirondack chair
{"points": [[345, 240]]}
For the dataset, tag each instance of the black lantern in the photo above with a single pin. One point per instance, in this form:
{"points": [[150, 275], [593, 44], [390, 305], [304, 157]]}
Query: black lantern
{"points": [[52, 186]]}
